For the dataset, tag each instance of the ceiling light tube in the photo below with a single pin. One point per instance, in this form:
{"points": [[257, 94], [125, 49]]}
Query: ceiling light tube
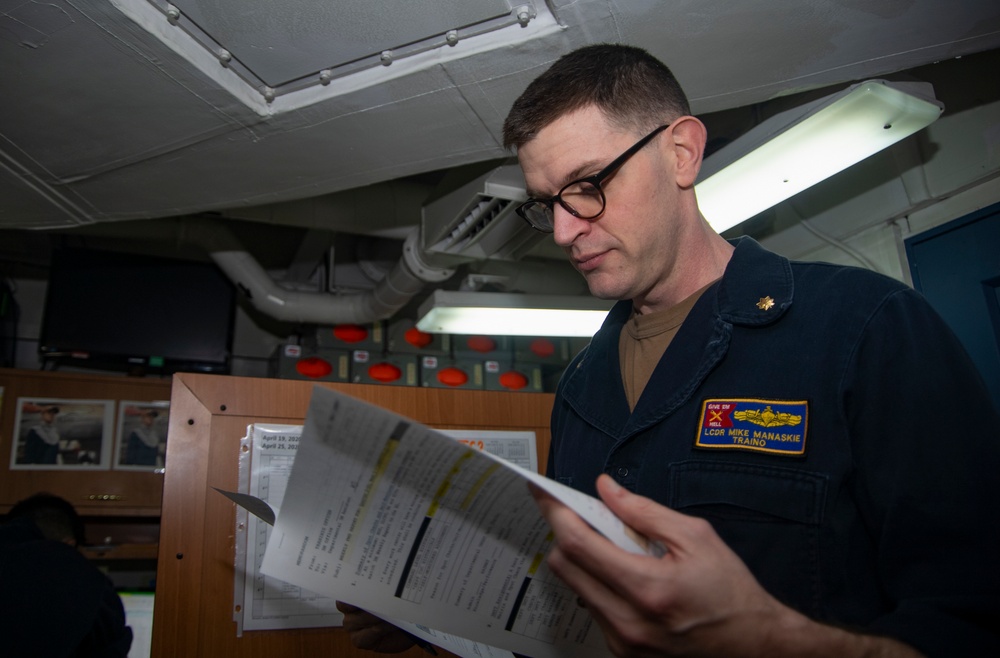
{"points": [[510, 314], [799, 148]]}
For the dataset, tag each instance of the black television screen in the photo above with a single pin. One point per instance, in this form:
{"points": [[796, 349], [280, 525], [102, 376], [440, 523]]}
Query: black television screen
{"points": [[133, 312]]}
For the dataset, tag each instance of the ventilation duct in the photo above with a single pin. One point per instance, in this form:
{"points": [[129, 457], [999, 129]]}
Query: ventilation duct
{"points": [[405, 280], [477, 222]]}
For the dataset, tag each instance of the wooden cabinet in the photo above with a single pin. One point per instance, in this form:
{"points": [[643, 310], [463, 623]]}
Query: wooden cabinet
{"points": [[121, 508]]}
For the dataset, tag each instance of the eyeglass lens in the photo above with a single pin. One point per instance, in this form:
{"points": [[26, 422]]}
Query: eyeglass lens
{"points": [[581, 198]]}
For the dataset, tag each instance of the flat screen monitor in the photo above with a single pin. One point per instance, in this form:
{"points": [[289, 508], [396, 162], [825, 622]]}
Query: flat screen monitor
{"points": [[121, 311], [139, 617]]}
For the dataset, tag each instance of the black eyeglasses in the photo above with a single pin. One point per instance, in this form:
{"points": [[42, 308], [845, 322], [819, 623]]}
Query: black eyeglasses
{"points": [[581, 198]]}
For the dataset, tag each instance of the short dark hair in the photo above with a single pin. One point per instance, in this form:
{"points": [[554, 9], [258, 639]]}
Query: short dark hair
{"points": [[635, 91], [54, 516]]}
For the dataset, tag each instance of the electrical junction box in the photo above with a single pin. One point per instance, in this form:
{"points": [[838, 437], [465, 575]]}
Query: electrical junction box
{"points": [[386, 369], [508, 376], [297, 362], [436, 372]]}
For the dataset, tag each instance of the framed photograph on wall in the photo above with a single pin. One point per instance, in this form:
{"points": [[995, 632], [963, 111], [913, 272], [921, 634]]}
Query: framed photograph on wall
{"points": [[141, 443], [62, 434]]}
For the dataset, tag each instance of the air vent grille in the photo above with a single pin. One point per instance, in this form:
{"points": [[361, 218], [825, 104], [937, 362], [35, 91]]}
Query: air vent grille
{"points": [[479, 215], [477, 221]]}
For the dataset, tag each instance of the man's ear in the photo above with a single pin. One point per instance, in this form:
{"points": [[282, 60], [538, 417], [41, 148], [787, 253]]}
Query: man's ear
{"points": [[688, 142]]}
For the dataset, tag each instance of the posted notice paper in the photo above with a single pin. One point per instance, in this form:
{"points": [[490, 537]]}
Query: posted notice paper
{"points": [[409, 523]]}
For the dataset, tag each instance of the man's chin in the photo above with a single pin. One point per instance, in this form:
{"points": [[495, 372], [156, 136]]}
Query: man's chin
{"points": [[606, 291]]}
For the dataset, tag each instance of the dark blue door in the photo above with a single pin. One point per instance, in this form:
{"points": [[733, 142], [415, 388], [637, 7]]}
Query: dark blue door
{"points": [[957, 267]]}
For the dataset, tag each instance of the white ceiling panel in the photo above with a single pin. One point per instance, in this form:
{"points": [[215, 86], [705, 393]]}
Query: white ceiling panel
{"points": [[105, 118]]}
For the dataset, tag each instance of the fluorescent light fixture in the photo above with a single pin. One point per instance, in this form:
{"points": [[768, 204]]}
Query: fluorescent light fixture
{"points": [[798, 148], [510, 314]]}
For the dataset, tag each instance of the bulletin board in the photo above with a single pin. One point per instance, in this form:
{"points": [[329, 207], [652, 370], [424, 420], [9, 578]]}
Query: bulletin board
{"points": [[209, 414]]}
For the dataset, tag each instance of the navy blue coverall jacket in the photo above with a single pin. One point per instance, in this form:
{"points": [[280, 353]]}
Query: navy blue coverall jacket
{"points": [[834, 432]]}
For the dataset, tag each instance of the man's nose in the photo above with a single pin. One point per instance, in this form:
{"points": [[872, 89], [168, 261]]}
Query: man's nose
{"points": [[567, 227]]}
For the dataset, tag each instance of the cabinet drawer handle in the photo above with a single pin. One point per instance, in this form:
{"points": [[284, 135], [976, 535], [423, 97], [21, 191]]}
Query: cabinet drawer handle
{"points": [[106, 497]]}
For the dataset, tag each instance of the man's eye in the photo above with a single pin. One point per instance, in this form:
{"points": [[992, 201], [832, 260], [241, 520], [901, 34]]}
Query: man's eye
{"points": [[581, 189]]}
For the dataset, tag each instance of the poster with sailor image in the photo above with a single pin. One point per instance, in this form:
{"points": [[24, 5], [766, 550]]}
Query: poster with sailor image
{"points": [[62, 434], [142, 436]]}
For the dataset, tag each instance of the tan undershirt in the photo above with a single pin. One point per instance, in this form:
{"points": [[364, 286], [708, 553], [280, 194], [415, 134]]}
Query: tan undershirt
{"points": [[644, 339]]}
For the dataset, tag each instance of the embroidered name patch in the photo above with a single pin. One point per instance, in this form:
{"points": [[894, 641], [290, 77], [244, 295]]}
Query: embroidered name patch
{"points": [[775, 426]]}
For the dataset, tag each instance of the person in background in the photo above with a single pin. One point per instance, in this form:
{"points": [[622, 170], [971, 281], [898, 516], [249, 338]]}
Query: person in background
{"points": [[53, 601], [809, 443], [41, 446], [143, 445]]}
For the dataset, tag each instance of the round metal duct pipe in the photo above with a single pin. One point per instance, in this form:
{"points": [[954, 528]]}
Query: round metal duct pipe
{"points": [[407, 278]]}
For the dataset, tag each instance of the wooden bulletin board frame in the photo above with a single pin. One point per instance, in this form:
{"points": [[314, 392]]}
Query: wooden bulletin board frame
{"points": [[209, 414]]}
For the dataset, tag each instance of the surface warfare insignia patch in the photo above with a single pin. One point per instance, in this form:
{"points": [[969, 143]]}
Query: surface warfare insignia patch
{"points": [[773, 426]]}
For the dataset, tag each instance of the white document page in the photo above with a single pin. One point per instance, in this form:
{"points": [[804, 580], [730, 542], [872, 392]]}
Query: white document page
{"points": [[394, 517], [514, 447], [269, 603], [459, 646]]}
